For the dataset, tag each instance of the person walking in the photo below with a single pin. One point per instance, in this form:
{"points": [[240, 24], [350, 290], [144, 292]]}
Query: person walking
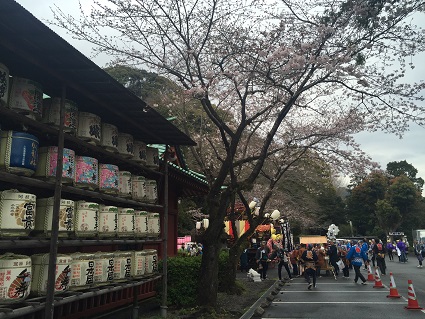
{"points": [[343, 255], [402, 247], [357, 256], [379, 252], [420, 254], [390, 250], [365, 248], [333, 257], [262, 258], [309, 258], [294, 262], [283, 256], [320, 259]]}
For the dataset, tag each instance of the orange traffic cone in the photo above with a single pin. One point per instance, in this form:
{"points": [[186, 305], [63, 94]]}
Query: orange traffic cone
{"points": [[412, 302], [378, 282], [369, 274], [393, 288]]}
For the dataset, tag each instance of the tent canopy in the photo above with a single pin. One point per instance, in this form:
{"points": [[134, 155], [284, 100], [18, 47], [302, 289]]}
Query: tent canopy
{"points": [[313, 239]]}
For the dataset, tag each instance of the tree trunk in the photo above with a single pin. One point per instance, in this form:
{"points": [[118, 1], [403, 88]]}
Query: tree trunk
{"points": [[229, 280]]}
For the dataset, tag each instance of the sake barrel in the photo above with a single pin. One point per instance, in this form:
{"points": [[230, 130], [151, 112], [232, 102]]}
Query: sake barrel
{"points": [[125, 222], [18, 152], [108, 221], [109, 137], [82, 270], [51, 114], [154, 225], [44, 216], [89, 127], [48, 162], [125, 145], [17, 213], [139, 152], [138, 188], [4, 85], [138, 259], [15, 277], [86, 223], [122, 265], [140, 223], [40, 271], [151, 191], [151, 264], [108, 178], [86, 172], [152, 157], [124, 184], [26, 97], [103, 267]]}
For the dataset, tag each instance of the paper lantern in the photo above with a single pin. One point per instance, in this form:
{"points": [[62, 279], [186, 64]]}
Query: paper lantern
{"points": [[198, 225], [275, 214], [257, 211], [252, 205], [206, 223]]}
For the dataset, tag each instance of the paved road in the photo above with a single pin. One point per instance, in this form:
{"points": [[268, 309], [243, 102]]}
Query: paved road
{"points": [[343, 299]]}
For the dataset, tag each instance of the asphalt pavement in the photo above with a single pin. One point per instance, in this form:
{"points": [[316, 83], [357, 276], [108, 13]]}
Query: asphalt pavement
{"points": [[342, 298]]}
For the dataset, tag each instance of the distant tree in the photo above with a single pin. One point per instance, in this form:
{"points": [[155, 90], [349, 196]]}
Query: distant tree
{"points": [[402, 167]]}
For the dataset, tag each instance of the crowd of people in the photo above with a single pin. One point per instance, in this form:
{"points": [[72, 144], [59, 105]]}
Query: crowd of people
{"points": [[337, 258], [190, 249]]}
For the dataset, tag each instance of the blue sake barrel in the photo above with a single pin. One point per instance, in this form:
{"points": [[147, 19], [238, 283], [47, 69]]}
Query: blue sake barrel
{"points": [[18, 152]]}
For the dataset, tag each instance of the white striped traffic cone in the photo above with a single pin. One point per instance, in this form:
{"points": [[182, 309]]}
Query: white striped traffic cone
{"points": [[412, 302], [393, 288], [378, 282]]}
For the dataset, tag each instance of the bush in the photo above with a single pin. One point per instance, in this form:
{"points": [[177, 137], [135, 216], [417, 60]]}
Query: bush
{"points": [[183, 275]]}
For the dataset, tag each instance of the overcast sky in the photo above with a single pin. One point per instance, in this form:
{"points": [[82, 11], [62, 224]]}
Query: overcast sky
{"points": [[383, 148]]}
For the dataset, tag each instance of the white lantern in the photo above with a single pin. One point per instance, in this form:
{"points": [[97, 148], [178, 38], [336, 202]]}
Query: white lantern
{"points": [[206, 222], [198, 225], [252, 205], [266, 215], [275, 214], [257, 211]]}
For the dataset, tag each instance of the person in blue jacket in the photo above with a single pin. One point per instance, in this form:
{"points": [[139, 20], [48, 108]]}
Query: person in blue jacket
{"points": [[357, 256]]}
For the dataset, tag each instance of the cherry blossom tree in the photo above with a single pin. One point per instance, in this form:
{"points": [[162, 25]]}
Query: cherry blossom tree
{"points": [[271, 70]]}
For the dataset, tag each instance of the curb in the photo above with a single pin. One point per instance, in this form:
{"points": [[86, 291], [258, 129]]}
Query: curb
{"points": [[261, 301]]}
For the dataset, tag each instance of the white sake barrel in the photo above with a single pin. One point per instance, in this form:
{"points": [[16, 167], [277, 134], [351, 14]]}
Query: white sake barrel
{"points": [[125, 222], [109, 137], [125, 145], [103, 267], [154, 225], [124, 184], [151, 264], [152, 157], [48, 162], [40, 271], [86, 222], [122, 265], [138, 188], [82, 270], [139, 152], [141, 225], [17, 213], [4, 85], [26, 97], [89, 127], [108, 178], [51, 114], [86, 172], [18, 152], [44, 215], [139, 262], [151, 189], [108, 221], [15, 277]]}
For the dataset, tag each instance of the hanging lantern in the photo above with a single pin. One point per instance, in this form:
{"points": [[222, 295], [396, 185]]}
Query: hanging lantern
{"points": [[266, 215], [206, 222], [275, 214], [252, 205], [198, 225], [257, 211]]}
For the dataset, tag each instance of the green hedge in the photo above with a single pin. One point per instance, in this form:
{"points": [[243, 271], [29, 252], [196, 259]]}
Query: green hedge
{"points": [[183, 274]]}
